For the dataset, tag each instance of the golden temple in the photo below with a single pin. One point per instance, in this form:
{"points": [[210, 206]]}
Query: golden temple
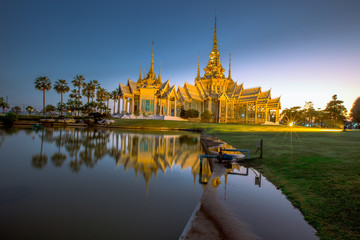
{"points": [[227, 101]]}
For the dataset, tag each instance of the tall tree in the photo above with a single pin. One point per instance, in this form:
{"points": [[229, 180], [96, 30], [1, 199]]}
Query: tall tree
{"points": [[101, 97], [61, 87], [90, 89], [291, 115], [309, 112], [3, 104], [355, 111], [43, 84], [335, 110], [114, 96], [78, 82]]}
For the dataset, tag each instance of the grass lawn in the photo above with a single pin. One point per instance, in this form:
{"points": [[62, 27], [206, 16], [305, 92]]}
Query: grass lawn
{"points": [[317, 169]]}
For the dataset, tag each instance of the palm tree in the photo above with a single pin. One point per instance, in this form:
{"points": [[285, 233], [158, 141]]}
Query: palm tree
{"points": [[43, 84], [93, 85], [78, 82], [107, 98], [61, 87], [101, 97], [114, 96], [86, 91], [89, 89]]}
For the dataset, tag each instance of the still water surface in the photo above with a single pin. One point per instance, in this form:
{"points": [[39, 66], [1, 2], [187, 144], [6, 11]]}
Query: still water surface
{"points": [[97, 184]]}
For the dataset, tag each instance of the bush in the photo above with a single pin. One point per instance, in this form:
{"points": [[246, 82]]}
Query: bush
{"points": [[97, 116], [206, 116], [137, 113], [10, 118], [191, 113]]}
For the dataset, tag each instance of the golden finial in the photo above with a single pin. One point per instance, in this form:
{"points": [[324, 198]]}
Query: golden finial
{"points": [[215, 39], [198, 71], [159, 77], [152, 58], [151, 73], [140, 77], [229, 66]]}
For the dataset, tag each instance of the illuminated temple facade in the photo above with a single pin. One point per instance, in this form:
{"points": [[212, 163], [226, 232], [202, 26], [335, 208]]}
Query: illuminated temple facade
{"points": [[227, 101]]}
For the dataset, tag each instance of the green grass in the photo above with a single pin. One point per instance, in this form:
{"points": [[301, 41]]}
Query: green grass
{"points": [[319, 171]]}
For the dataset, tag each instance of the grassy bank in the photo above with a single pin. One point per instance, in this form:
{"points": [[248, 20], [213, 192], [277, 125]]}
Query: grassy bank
{"points": [[317, 169]]}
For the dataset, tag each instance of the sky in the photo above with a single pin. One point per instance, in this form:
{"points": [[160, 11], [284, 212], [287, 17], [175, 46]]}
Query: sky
{"points": [[303, 50]]}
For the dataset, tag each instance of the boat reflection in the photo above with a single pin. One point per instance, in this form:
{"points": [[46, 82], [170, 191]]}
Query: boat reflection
{"points": [[237, 169]]}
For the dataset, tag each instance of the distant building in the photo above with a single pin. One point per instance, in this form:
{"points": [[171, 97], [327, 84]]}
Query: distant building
{"points": [[225, 99]]}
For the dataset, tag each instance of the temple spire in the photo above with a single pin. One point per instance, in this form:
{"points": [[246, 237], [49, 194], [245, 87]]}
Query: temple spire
{"points": [[214, 68], [198, 70], [215, 38], [140, 77], [229, 67], [151, 73], [159, 77]]}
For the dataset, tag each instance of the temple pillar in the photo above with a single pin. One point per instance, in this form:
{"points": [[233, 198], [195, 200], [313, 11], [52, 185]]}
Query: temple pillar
{"points": [[246, 112], [219, 112], [175, 107], [255, 115], [133, 105], [160, 110], [210, 105], [140, 109], [154, 107], [226, 109], [266, 114], [277, 116], [167, 106], [118, 107], [123, 104]]}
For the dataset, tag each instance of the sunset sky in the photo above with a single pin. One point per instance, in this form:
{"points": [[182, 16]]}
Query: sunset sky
{"points": [[304, 50]]}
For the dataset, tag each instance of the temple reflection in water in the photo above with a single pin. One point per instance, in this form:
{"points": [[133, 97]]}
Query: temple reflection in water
{"points": [[150, 153], [145, 153]]}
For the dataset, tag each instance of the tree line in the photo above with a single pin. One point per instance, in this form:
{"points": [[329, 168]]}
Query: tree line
{"points": [[97, 97], [334, 115]]}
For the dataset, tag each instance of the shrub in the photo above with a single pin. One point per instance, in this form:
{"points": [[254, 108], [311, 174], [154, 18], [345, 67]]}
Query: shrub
{"points": [[206, 116], [10, 118], [191, 113]]}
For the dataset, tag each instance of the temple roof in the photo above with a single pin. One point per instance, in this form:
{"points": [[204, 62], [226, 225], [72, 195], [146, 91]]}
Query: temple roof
{"points": [[264, 97], [163, 87], [250, 91], [169, 91], [132, 85], [192, 91], [183, 94], [274, 103], [249, 95], [124, 90]]}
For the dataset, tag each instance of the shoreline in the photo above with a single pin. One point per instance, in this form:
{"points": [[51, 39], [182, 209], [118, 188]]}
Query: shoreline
{"points": [[211, 219]]}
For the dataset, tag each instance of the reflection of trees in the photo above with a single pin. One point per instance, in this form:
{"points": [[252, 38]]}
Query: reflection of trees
{"points": [[40, 160], [2, 136], [144, 153], [58, 158]]}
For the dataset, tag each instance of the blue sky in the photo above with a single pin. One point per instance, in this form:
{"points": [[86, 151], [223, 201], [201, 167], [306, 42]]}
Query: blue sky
{"points": [[302, 50]]}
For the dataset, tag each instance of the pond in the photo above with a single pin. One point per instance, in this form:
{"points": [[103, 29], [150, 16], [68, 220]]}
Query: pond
{"points": [[97, 183]]}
